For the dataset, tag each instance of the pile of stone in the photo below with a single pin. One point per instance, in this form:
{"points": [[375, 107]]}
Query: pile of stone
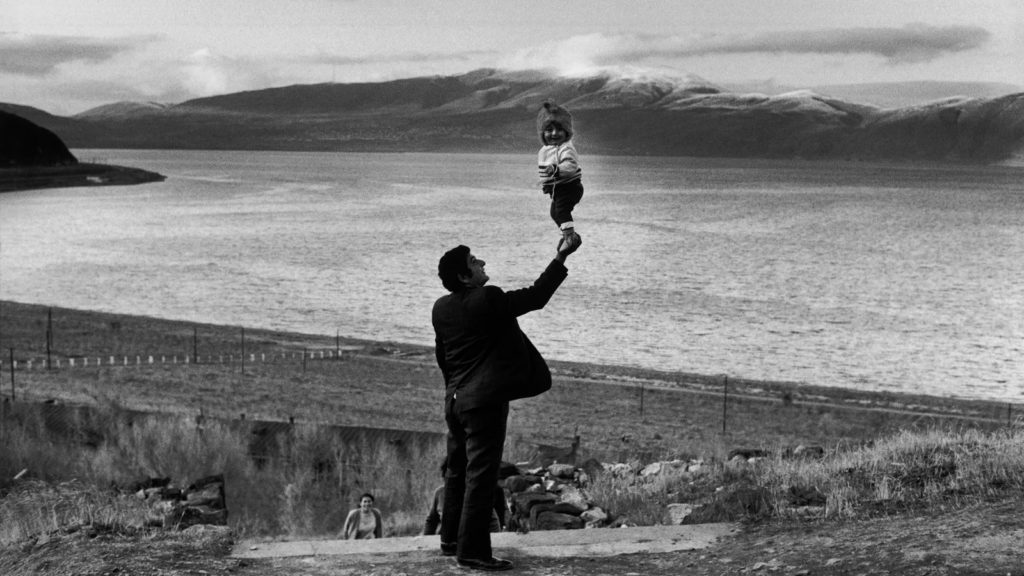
{"points": [[555, 497], [552, 498], [202, 502]]}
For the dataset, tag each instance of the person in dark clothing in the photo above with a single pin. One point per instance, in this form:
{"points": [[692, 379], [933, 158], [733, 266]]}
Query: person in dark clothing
{"points": [[499, 509], [486, 361]]}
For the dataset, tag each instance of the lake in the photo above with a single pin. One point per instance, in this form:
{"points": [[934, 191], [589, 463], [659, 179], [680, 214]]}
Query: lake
{"points": [[867, 276]]}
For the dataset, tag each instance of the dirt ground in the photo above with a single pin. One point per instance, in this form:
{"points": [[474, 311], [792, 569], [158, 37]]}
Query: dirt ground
{"points": [[982, 539]]}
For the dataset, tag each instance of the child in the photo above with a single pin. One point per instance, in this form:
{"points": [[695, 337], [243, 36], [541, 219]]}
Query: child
{"points": [[558, 166]]}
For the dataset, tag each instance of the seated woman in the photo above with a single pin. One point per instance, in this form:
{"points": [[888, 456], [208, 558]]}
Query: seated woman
{"points": [[364, 522]]}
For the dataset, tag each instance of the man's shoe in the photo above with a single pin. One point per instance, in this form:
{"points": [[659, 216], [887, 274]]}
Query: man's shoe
{"points": [[489, 565], [449, 548]]}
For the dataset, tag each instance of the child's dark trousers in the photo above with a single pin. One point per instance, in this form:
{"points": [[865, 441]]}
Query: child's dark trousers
{"points": [[564, 197]]}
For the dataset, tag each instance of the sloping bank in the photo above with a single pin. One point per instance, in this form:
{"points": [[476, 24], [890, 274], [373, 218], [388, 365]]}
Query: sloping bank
{"points": [[73, 175]]}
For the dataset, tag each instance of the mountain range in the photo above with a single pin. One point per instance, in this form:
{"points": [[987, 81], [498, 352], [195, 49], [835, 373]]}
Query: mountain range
{"points": [[494, 111]]}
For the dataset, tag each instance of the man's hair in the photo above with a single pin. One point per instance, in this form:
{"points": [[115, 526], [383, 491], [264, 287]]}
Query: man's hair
{"points": [[451, 265]]}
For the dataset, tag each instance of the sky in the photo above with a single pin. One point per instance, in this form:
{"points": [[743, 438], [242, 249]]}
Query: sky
{"points": [[66, 56]]}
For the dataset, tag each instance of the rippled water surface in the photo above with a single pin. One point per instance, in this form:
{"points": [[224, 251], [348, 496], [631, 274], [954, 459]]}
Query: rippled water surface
{"points": [[846, 274]]}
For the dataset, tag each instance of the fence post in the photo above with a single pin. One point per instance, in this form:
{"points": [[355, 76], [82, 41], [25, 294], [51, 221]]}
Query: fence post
{"points": [[12, 374], [195, 343], [243, 351], [303, 359], [725, 401], [641, 398], [49, 336]]}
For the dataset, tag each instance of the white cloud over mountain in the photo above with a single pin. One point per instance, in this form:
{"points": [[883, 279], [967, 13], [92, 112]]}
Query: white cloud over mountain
{"points": [[910, 43]]}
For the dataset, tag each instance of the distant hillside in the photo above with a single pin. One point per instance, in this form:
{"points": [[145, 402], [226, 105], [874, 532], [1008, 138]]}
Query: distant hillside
{"points": [[122, 109], [494, 111], [891, 94], [23, 143]]}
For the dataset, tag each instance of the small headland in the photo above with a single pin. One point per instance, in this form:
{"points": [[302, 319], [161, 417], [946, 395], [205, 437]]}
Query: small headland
{"points": [[73, 175]]}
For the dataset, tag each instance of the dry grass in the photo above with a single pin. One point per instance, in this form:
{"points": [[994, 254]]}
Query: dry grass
{"points": [[303, 488], [884, 451], [908, 470], [36, 507]]}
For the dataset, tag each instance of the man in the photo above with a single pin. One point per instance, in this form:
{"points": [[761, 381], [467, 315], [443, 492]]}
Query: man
{"points": [[486, 361]]}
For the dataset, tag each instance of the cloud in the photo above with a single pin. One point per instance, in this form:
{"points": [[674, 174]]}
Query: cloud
{"points": [[910, 43], [398, 58], [206, 73], [40, 55]]}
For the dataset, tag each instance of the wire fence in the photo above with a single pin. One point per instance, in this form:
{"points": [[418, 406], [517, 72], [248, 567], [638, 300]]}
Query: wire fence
{"points": [[68, 362], [721, 407]]}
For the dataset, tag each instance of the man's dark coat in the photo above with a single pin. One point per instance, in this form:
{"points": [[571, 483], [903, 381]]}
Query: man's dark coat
{"points": [[482, 352]]}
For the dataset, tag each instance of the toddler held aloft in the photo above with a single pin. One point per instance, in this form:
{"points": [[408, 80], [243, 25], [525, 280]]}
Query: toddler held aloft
{"points": [[558, 166]]}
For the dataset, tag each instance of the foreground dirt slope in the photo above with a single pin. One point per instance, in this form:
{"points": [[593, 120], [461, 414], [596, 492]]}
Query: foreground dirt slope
{"points": [[983, 539]]}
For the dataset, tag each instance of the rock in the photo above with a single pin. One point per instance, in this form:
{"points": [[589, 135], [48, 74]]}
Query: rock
{"points": [[620, 470], [678, 512], [557, 521], [524, 501], [802, 451], [518, 483], [594, 517], [209, 495], [558, 507], [567, 471], [182, 517], [652, 469], [575, 496], [507, 469]]}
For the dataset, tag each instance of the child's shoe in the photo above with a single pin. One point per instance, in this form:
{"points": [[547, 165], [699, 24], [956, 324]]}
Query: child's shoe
{"points": [[569, 237]]}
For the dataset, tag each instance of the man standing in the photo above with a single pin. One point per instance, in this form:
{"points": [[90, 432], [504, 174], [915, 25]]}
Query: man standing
{"points": [[486, 361]]}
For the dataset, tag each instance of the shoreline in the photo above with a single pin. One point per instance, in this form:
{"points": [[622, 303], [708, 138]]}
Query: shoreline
{"points": [[82, 174], [226, 340]]}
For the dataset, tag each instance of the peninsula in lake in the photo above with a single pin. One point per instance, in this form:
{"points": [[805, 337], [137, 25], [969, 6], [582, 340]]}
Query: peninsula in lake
{"points": [[33, 157]]}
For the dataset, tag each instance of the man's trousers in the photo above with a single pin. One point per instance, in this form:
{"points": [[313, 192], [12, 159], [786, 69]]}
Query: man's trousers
{"points": [[476, 438]]}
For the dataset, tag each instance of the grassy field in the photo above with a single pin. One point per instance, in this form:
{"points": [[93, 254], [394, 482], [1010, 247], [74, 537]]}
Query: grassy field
{"points": [[888, 458], [618, 412]]}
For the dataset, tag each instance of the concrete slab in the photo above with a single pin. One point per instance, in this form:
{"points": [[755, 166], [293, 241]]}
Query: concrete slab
{"points": [[546, 543]]}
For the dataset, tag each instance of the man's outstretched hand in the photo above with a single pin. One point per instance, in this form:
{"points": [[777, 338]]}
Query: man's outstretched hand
{"points": [[568, 245]]}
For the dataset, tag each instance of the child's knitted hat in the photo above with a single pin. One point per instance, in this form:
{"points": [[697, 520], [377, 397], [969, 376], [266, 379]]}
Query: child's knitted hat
{"points": [[553, 113]]}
